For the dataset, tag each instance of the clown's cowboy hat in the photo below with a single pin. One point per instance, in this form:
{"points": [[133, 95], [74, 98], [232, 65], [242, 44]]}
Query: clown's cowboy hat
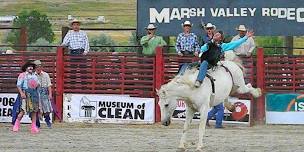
{"points": [[37, 62], [28, 64]]}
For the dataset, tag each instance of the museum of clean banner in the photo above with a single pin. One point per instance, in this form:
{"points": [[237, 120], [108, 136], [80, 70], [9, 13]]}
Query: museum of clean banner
{"points": [[94, 108]]}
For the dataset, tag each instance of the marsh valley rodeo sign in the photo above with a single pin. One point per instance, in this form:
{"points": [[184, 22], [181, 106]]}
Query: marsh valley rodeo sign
{"points": [[108, 109], [271, 18]]}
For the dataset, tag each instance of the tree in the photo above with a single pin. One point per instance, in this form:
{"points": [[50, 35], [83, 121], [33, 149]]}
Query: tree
{"points": [[39, 43], [102, 40], [37, 25]]}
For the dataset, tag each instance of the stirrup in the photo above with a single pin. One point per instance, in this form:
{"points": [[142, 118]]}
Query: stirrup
{"points": [[212, 98]]}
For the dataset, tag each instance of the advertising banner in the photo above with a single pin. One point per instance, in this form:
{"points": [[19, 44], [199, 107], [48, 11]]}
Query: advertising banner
{"points": [[266, 18], [284, 108], [7, 101], [108, 109], [241, 115]]}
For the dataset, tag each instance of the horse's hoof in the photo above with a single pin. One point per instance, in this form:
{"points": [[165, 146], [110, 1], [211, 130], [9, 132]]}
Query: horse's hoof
{"points": [[199, 150], [181, 150]]}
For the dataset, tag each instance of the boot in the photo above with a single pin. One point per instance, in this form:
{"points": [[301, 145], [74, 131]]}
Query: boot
{"points": [[197, 84], [16, 126], [34, 128], [47, 120]]}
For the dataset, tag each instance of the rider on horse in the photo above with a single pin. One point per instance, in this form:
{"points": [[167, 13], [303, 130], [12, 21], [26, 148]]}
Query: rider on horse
{"points": [[210, 53]]}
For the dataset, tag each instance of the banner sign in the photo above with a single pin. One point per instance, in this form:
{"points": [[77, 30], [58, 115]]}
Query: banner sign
{"points": [[241, 115], [266, 18], [284, 108], [108, 109], [7, 101]]}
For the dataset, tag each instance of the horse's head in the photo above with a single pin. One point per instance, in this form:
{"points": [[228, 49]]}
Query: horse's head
{"points": [[167, 105]]}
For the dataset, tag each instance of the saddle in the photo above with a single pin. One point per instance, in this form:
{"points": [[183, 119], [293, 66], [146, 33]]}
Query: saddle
{"points": [[197, 65]]}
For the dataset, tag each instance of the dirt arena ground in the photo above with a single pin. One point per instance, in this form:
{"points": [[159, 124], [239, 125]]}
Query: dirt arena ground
{"points": [[151, 138]]}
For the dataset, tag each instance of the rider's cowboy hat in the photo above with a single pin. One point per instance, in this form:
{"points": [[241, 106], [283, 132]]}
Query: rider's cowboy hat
{"points": [[209, 25], [241, 28], [187, 23], [150, 27], [75, 21], [28, 64]]}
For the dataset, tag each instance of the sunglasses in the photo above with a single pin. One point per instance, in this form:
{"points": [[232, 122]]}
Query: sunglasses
{"points": [[209, 28]]}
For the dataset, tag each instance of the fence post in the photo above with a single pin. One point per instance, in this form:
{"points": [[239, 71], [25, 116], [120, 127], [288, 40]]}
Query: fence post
{"points": [[159, 77], [23, 39], [59, 80], [64, 31], [260, 103]]}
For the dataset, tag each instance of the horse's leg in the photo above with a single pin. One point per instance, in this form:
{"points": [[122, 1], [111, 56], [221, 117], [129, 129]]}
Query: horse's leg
{"points": [[202, 126], [256, 92], [189, 117]]}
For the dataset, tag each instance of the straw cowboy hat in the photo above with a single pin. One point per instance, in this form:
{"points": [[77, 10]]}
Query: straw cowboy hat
{"points": [[37, 62], [209, 25], [150, 27], [9, 52], [28, 64], [241, 28], [75, 21], [187, 23]]}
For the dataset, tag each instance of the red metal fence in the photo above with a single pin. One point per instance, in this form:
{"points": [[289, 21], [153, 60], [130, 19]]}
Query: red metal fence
{"points": [[136, 75]]}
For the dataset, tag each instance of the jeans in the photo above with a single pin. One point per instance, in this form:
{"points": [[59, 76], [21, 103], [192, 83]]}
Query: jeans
{"points": [[182, 68], [219, 110], [202, 71]]}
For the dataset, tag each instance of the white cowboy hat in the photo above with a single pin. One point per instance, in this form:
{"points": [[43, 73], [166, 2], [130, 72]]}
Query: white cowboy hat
{"points": [[37, 62], [9, 52], [151, 27], [209, 25], [187, 23], [75, 21], [241, 28]]}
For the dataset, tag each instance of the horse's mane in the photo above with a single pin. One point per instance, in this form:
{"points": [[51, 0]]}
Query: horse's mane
{"points": [[187, 78]]}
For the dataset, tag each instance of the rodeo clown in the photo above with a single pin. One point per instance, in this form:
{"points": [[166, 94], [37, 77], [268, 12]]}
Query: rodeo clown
{"points": [[45, 94], [210, 54], [28, 97]]}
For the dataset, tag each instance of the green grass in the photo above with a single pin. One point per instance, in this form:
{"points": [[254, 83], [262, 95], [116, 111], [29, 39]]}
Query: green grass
{"points": [[120, 13]]}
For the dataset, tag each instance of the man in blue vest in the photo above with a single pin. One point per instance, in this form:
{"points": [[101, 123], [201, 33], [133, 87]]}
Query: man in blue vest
{"points": [[210, 53]]}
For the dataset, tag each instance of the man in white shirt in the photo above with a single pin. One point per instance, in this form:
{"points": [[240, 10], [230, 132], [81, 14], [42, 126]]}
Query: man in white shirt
{"points": [[247, 47], [76, 40]]}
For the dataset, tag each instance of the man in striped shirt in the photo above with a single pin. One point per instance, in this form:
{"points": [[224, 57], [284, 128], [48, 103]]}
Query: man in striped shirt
{"points": [[76, 40]]}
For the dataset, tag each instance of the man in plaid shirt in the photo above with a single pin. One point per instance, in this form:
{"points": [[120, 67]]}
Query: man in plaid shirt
{"points": [[76, 40], [187, 42]]}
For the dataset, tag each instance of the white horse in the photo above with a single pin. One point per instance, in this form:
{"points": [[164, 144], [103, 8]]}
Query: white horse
{"points": [[200, 99]]}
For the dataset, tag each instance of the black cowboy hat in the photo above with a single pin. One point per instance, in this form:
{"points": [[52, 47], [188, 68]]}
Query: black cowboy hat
{"points": [[28, 64]]}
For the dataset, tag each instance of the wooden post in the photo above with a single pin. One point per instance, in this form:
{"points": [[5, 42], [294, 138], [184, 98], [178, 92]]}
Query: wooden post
{"points": [[23, 39], [289, 44], [260, 103], [59, 81], [159, 77], [64, 31]]}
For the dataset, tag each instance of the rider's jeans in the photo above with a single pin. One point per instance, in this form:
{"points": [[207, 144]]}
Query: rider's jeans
{"points": [[202, 71]]}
